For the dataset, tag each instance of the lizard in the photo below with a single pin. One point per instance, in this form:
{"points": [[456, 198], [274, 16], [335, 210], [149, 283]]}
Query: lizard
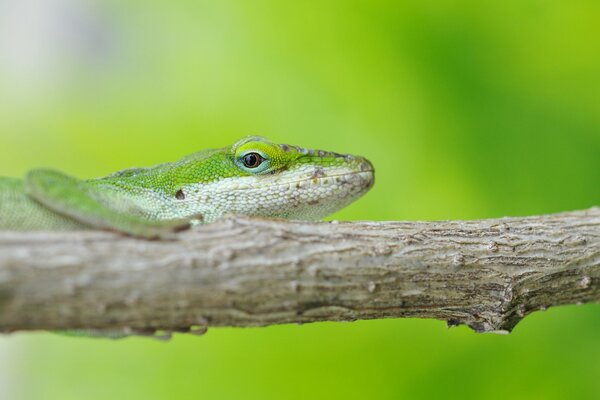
{"points": [[252, 177]]}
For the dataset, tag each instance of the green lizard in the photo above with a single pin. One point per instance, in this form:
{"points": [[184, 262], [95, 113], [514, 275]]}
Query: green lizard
{"points": [[252, 177]]}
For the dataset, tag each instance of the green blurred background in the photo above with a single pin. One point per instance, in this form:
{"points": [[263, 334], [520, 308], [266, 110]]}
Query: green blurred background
{"points": [[469, 110]]}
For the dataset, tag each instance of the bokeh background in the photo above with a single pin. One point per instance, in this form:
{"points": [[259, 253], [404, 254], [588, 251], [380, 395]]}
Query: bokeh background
{"points": [[467, 110]]}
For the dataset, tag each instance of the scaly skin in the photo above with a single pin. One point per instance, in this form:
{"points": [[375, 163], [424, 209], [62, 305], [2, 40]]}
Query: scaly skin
{"points": [[289, 182]]}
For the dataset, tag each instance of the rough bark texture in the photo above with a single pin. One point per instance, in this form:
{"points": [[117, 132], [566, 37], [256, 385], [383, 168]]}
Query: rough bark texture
{"points": [[487, 274]]}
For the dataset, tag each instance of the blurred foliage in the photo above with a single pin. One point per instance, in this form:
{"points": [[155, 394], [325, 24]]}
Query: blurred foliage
{"points": [[467, 110]]}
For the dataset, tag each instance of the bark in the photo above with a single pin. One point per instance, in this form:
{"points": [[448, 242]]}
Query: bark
{"points": [[487, 274]]}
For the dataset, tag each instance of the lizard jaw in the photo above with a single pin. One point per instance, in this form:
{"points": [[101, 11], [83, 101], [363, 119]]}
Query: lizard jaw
{"points": [[309, 192]]}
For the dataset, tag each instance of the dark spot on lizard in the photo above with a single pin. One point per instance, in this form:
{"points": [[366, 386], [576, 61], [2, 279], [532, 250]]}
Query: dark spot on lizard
{"points": [[317, 173], [180, 195]]}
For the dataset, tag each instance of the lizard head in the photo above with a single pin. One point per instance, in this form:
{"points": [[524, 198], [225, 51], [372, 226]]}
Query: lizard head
{"points": [[279, 180], [256, 177]]}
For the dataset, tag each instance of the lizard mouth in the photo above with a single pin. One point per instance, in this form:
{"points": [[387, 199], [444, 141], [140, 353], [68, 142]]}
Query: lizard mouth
{"points": [[318, 177], [362, 174], [359, 178]]}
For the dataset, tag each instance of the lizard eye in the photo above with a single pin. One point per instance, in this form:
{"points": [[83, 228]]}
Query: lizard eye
{"points": [[252, 160]]}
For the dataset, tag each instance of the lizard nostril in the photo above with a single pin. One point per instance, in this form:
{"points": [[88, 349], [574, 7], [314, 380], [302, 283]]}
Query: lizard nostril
{"points": [[180, 195], [366, 166]]}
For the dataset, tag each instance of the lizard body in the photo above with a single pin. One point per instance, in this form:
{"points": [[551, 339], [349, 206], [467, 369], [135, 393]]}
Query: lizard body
{"points": [[252, 177]]}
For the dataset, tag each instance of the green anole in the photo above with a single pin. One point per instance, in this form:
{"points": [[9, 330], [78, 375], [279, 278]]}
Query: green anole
{"points": [[252, 177]]}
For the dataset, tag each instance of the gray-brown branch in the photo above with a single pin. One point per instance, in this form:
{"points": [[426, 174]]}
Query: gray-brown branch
{"points": [[487, 274]]}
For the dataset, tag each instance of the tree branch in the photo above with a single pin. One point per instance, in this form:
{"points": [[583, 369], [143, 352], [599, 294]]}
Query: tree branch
{"points": [[487, 274]]}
